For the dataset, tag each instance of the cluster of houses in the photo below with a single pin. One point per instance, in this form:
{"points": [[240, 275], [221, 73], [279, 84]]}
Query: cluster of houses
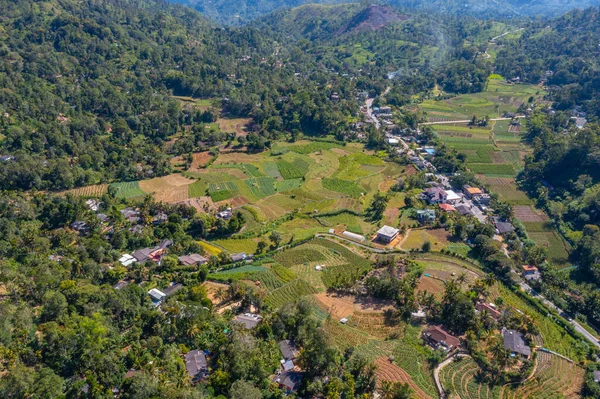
{"points": [[469, 201], [514, 341]]}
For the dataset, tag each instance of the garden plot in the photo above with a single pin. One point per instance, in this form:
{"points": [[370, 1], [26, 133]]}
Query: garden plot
{"points": [[526, 213], [128, 189], [389, 371], [97, 190], [507, 190]]}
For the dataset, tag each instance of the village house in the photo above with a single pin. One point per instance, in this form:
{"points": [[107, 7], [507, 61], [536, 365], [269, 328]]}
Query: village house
{"points": [[289, 353], [531, 273], [483, 307], [387, 234], [434, 195], [289, 381], [514, 342], [156, 296], [93, 205], [447, 208], [226, 214], [240, 257], [503, 227], [153, 254], [127, 260], [437, 337], [196, 365], [80, 226], [471, 191], [426, 216], [131, 215], [596, 375], [159, 218], [192, 260], [248, 320]]}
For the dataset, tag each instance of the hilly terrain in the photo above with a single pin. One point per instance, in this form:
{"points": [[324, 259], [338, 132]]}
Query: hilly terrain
{"points": [[234, 12], [372, 18]]}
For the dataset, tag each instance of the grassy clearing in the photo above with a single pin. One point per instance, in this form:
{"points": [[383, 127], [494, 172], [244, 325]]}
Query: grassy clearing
{"points": [[246, 245]]}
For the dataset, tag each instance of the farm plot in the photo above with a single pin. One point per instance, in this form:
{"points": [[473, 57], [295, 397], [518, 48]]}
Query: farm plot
{"points": [[507, 190], [349, 221], [461, 378], [199, 160], [276, 206], [268, 280], [238, 245], [344, 336], [128, 189], [97, 190], [197, 189], [292, 170], [283, 186], [237, 125], [308, 273], [558, 249], [555, 378], [526, 213], [381, 325], [261, 187], [222, 191], [411, 356], [489, 169], [239, 273], [342, 186], [289, 293], [246, 168], [389, 371]]}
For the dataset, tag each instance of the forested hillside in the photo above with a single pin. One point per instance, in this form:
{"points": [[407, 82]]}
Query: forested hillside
{"points": [[234, 12], [565, 53]]}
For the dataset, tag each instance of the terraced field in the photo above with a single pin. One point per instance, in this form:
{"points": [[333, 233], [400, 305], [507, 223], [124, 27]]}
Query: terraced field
{"points": [[289, 293], [554, 377]]}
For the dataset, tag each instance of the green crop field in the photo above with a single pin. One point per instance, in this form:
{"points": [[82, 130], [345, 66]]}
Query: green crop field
{"points": [[221, 195], [558, 249], [461, 378], [268, 280], [239, 273], [261, 187], [197, 189], [342, 186], [299, 255], [288, 293], [128, 189], [248, 169], [288, 185], [489, 169], [292, 170]]}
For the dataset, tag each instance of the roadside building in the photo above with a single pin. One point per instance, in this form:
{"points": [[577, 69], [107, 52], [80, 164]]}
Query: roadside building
{"points": [[452, 197], [447, 208], [387, 234]]}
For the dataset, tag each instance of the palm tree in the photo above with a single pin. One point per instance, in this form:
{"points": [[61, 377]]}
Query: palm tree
{"points": [[489, 280], [193, 330], [386, 390], [462, 278]]}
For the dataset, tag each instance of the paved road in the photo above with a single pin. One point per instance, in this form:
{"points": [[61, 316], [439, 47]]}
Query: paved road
{"points": [[467, 121]]}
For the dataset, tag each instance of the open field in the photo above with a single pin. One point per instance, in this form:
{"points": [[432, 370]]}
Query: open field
{"points": [[237, 125], [558, 249], [417, 237], [527, 213], [499, 97]]}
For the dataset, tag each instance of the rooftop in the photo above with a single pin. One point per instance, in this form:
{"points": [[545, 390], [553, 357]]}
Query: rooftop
{"points": [[514, 342], [447, 207], [196, 364], [288, 350], [388, 231], [192, 259], [289, 379], [451, 196], [248, 320], [438, 334]]}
